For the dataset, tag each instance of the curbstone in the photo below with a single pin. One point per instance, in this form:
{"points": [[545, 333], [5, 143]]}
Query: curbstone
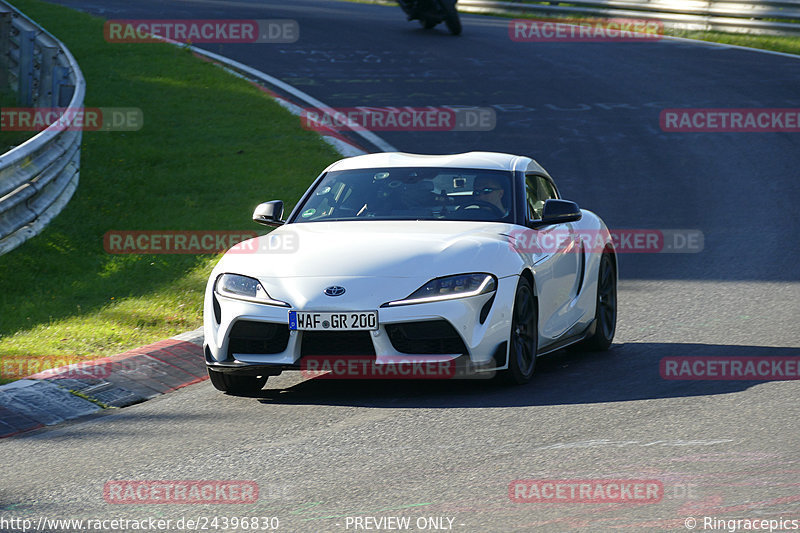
{"points": [[65, 393]]}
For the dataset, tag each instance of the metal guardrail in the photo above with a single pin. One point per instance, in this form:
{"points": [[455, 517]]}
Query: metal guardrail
{"points": [[38, 177], [741, 16]]}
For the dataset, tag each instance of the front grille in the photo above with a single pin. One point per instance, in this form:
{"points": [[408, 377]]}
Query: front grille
{"points": [[318, 343], [428, 337], [248, 336]]}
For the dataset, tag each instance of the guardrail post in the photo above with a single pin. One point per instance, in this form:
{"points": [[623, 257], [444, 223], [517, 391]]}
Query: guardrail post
{"points": [[45, 96], [5, 47], [27, 38], [63, 88]]}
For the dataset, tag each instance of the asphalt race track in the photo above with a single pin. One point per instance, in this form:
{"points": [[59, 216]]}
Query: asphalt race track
{"points": [[324, 453]]}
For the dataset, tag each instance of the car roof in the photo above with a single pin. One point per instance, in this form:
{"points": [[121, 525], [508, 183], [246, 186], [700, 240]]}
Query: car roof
{"points": [[472, 160]]}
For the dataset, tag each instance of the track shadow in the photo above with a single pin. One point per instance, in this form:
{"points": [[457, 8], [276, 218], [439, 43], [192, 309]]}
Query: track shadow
{"points": [[627, 372]]}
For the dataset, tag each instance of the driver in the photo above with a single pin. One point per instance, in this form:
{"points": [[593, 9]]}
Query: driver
{"points": [[488, 189]]}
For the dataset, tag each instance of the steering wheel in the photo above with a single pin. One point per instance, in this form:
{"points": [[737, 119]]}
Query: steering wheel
{"points": [[480, 204]]}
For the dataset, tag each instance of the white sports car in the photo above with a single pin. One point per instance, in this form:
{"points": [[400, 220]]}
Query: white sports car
{"points": [[469, 260]]}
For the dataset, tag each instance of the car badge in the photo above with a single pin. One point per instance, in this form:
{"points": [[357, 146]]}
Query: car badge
{"points": [[334, 290]]}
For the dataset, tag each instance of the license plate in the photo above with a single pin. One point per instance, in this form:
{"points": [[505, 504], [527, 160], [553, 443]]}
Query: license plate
{"points": [[349, 321]]}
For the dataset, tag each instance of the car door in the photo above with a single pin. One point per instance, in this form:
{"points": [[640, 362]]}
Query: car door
{"points": [[559, 267]]}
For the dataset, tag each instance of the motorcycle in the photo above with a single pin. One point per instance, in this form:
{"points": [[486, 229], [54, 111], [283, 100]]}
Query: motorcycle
{"points": [[429, 13]]}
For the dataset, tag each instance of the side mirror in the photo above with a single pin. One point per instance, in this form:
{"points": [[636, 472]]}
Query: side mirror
{"points": [[560, 211], [269, 213]]}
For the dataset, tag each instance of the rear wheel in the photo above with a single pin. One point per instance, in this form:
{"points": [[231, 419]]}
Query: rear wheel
{"points": [[233, 384], [606, 309], [524, 336]]}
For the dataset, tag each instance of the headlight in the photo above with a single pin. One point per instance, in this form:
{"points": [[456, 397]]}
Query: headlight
{"points": [[244, 288], [449, 288]]}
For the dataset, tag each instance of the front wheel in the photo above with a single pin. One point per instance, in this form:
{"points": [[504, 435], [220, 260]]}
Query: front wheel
{"points": [[236, 385], [451, 19], [524, 336], [606, 308]]}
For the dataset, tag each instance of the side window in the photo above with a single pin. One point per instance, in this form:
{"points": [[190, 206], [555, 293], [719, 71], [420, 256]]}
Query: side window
{"points": [[531, 198], [537, 190]]}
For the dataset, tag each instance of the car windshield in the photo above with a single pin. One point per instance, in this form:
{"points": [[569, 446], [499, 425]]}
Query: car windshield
{"points": [[410, 194]]}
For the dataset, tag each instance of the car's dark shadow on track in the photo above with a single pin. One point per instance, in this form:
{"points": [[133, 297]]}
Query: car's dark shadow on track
{"points": [[627, 372]]}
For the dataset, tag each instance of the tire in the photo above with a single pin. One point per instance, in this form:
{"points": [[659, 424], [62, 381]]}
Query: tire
{"points": [[523, 338], [606, 306], [451, 19], [236, 385]]}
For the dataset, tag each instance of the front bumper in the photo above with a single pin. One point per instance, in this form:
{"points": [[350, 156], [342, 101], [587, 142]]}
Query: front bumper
{"points": [[250, 338]]}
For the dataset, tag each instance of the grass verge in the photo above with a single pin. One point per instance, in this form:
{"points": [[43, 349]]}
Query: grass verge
{"points": [[786, 44], [212, 146]]}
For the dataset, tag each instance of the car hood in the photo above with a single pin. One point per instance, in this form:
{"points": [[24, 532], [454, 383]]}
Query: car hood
{"points": [[392, 249], [377, 262]]}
